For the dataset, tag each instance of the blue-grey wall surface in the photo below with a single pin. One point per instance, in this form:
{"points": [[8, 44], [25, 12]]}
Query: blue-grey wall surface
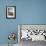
{"points": [[27, 12]]}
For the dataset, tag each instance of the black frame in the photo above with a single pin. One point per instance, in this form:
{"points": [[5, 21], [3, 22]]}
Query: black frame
{"points": [[7, 13]]}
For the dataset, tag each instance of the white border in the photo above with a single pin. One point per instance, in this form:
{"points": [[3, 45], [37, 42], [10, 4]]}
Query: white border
{"points": [[18, 33]]}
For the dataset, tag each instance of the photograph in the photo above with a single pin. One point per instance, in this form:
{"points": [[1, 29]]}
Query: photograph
{"points": [[11, 12]]}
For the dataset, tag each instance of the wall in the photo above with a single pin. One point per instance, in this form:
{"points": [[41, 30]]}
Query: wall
{"points": [[31, 11], [6, 25], [27, 12]]}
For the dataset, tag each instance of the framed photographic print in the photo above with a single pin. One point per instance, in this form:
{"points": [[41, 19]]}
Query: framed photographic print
{"points": [[11, 12]]}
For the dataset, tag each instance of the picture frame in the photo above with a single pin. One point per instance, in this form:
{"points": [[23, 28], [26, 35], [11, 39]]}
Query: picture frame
{"points": [[11, 12]]}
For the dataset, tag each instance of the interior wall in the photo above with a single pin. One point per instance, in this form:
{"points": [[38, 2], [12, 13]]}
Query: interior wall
{"points": [[31, 11], [27, 12], [7, 25]]}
